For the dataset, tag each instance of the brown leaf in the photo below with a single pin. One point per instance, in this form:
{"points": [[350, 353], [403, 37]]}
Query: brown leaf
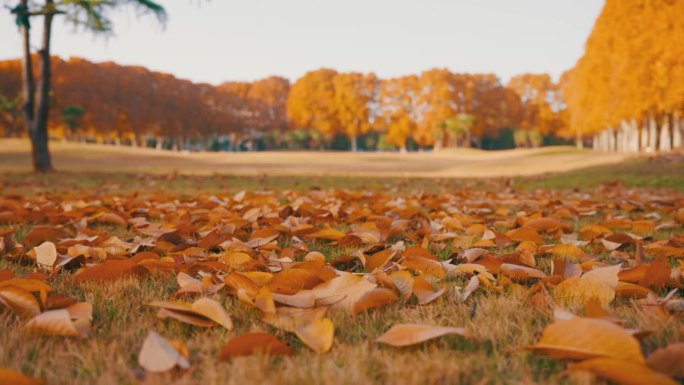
{"points": [[107, 270], [668, 360], [375, 298], [254, 343]]}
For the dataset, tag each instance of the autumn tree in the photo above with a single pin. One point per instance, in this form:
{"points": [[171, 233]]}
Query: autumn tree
{"points": [[626, 90], [398, 115], [90, 15], [311, 102], [354, 96]]}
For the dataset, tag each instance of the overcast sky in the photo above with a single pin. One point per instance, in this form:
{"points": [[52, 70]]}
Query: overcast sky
{"points": [[220, 40]]}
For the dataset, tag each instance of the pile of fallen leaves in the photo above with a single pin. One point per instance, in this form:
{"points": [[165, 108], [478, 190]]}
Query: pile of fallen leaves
{"points": [[297, 256]]}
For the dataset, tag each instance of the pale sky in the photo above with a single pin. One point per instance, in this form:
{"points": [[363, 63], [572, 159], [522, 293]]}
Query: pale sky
{"points": [[220, 40]]}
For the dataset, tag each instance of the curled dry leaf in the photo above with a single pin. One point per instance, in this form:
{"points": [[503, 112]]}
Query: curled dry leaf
{"points": [[410, 334], [622, 372], [599, 284], [473, 284], [520, 272], [20, 301], [12, 377], [204, 312], [403, 281], [343, 291], [158, 355], [581, 338], [254, 343], [375, 298], [424, 291], [290, 319], [318, 335], [58, 323]]}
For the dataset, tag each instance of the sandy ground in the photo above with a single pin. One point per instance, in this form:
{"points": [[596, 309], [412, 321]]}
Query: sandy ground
{"points": [[75, 157]]}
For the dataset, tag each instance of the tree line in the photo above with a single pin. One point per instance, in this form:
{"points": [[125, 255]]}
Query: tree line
{"points": [[627, 90], [107, 102]]}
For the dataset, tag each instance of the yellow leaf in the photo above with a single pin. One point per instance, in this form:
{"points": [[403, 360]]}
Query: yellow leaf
{"points": [[318, 335], [565, 252], [582, 338], [328, 233]]}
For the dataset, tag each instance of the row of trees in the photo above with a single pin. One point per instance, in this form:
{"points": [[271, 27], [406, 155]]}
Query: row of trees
{"points": [[627, 90], [324, 108]]}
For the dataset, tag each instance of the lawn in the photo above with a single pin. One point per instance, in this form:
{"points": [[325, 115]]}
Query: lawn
{"points": [[386, 231], [449, 163]]}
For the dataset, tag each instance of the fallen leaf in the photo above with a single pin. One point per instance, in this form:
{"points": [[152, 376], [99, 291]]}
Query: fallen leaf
{"points": [[410, 334], [58, 323], [318, 335], [375, 298], [622, 372], [254, 343], [12, 377], [20, 301], [107, 270], [157, 355], [46, 254], [582, 338], [668, 360]]}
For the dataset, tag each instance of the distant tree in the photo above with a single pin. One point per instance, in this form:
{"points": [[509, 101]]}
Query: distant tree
{"points": [[354, 95], [92, 15], [72, 117], [311, 102], [11, 115]]}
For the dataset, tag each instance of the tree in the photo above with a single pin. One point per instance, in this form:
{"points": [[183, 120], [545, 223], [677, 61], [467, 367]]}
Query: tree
{"points": [[72, 117], [398, 101], [354, 95], [311, 102], [627, 88], [91, 15]]}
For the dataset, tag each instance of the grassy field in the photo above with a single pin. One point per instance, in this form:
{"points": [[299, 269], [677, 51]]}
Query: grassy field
{"points": [[502, 321], [75, 157]]}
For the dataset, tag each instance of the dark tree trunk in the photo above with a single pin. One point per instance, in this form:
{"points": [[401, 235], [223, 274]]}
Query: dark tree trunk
{"points": [[659, 128], [671, 126], [28, 84], [38, 130]]}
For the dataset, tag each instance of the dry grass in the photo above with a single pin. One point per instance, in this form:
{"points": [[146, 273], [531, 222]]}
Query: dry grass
{"points": [[75, 157]]}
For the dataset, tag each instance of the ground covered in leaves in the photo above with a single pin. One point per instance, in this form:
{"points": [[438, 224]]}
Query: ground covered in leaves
{"points": [[133, 281]]}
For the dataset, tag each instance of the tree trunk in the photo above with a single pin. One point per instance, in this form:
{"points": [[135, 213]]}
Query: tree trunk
{"points": [[671, 126], [354, 143], [39, 135], [659, 121], [578, 140]]}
